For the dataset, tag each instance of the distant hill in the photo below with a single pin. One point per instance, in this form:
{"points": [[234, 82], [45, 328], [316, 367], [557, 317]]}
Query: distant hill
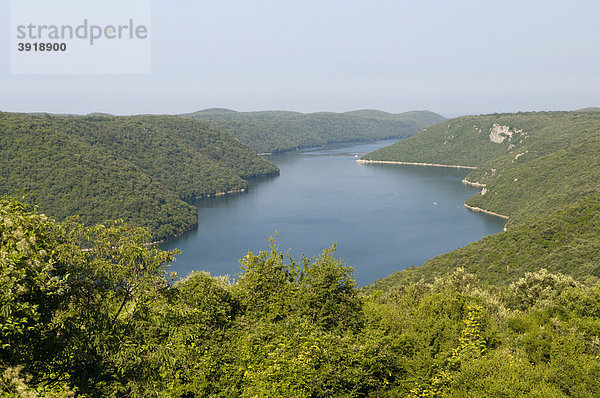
{"points": [[425, 118], [231, 114], [99, 114], [278, 131], [142, 169], [591, 109]]}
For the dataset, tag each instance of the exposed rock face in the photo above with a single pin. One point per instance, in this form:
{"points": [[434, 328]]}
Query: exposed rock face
{"points": [[477, 209], [415, 164], [517, 156], [499, 133]]}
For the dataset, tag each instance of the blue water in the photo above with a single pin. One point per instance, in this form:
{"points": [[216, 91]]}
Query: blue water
{"points": [[384, 218]]}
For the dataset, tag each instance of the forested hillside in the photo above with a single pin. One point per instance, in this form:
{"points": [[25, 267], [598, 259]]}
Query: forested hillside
{"points": [[530, 163], [541, 170], [141, 169], [91, 311], [276, 131], [106, 322]]}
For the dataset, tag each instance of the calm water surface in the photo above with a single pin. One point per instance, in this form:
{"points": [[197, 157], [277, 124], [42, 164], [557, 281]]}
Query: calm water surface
{"points": [[384, 218]]}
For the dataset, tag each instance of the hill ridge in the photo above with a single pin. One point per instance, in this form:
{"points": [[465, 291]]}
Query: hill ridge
{"points": [[280, 131]]}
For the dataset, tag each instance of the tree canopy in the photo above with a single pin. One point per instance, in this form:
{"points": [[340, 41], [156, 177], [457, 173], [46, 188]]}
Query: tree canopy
{"points": [[142, 169], [91, 311]]}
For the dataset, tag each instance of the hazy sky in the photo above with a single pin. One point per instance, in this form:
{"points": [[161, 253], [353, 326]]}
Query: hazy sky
{"points": [[452, 57]]}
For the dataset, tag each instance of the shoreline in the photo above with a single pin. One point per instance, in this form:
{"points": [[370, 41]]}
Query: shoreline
{"points": [[214, 195], [158, 242], [222, 193], [343, 142], [416, 164], [464, 181], [480, 210], [148, 244], [473, 184]]}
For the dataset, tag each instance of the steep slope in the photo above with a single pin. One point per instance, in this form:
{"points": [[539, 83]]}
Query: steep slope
{"points": [[140, 169], [275, 131], [566, 241], [530, 163], [540, 169]]}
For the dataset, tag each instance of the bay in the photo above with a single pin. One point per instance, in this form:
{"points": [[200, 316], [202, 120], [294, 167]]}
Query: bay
{"points": [[384, 218]]}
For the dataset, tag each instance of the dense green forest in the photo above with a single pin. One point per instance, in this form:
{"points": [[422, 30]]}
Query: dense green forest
{"points": [[530, 163], [142, 169], [540, 169], [90, 312], [277, 131]]}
